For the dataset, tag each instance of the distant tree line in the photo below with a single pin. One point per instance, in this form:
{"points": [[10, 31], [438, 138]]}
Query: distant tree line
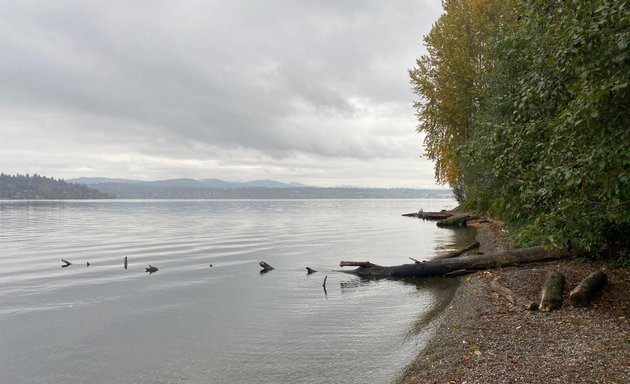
{"points": [[40, 187], [136, 190], [525, 107]]}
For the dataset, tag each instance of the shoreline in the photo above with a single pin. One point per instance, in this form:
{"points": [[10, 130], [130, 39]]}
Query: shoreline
{"points": [[484, 339]]}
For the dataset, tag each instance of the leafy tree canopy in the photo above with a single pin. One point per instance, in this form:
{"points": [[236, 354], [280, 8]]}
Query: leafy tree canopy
{"points": [[525, 108]]}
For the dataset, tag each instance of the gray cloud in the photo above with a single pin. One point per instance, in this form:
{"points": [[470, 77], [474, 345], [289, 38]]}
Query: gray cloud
{"points": [[195, 88]]}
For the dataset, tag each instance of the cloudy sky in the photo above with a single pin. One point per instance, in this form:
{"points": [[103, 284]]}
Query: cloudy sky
{"points": [[309, 91]]}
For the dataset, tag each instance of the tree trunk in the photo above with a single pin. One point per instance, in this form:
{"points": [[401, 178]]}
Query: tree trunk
{"points": [[470, 263], [366, 264], [551, 294], [429, 215], [582, 295]]}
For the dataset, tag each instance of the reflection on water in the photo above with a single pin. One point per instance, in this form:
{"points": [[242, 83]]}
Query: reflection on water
{"points": [[225, 324]]}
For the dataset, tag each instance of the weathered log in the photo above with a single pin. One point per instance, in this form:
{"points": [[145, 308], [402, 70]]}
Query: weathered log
{"points": [[459, 252], [456, 221], [471, 263], [582, 295], [551, 293], [364, 264], [513, 298], [66, 263], [429, 215]]}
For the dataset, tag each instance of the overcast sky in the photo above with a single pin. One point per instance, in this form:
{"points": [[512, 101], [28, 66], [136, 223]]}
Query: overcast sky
{"points": [[308, 91]]}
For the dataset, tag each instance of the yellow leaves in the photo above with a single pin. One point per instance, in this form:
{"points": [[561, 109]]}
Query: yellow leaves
{"points": [[446, 78]]}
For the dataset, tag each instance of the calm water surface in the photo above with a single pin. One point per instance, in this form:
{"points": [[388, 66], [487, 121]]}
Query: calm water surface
{"points": [[190, 323]]}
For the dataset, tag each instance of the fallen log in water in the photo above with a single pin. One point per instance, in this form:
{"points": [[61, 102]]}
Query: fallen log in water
{"points": [[470, 263], [459, 251], [365, 264], [551, 294], [582, 295], [429, 215]]}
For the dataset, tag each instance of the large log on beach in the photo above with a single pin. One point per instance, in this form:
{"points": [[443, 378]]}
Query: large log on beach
{"points": [[471, 263], [551, 293], [582, 295]]}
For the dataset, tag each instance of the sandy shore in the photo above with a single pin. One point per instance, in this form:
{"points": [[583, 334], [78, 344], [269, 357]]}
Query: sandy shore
{"points": [[484, 339]]}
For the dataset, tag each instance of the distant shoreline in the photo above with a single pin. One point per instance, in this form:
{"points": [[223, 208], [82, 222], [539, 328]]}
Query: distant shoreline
{"points": [[36, 187], [143, 191]]}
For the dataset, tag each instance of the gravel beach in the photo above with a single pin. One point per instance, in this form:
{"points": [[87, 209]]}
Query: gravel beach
{"points": [[483, 338]]}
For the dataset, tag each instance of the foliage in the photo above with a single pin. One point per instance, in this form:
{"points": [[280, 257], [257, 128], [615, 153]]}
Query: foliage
{"points": [[548, 144], [40, 187]]}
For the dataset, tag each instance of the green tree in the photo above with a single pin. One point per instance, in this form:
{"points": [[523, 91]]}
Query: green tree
{"points": [[525, 108], [447, 80]]}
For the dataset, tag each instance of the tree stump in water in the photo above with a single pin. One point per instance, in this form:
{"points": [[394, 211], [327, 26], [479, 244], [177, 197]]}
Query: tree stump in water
{"points": [[265, 267]]}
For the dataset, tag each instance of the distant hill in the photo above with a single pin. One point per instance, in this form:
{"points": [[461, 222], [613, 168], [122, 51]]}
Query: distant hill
{"points": [[98, 180], [257, 189], [193, 183], [22, 187]]}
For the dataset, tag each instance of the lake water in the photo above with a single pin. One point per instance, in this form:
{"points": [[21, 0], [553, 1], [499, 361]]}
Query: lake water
{"points": [[192, 323]]}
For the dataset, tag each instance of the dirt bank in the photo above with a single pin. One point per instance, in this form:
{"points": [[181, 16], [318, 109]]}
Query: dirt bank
{"points": [[484, 339]]}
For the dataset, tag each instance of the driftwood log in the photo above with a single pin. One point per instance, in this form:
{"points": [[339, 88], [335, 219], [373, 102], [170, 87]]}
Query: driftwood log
{"points": [[430, 215], [456, 221], [363, 264], [551, 293], [462, 264], [514, 299], [582, 295]]}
